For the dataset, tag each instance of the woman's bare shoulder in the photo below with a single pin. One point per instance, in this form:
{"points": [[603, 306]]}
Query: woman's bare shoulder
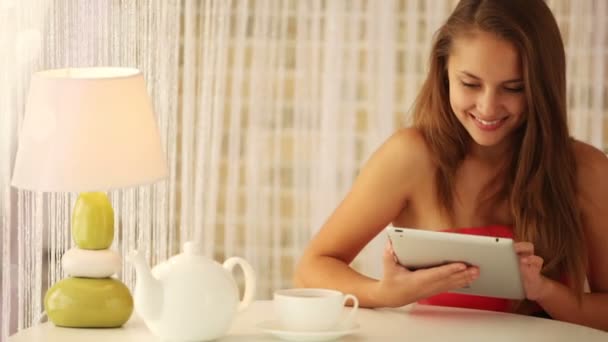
{"points": [[592, 164], [409, 149], [592, 196], [592, 180], [400, 164]]}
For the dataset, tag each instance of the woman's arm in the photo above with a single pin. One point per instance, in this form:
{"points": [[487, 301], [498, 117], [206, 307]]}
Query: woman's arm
{"points": [[383, 188], [558, 300], [561, 303]]}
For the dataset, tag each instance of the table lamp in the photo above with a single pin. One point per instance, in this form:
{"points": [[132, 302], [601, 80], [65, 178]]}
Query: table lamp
{"points": [[89, 130]]}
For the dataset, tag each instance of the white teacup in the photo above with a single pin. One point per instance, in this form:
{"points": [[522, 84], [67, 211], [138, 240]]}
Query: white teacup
{"points": [[313, 309]]}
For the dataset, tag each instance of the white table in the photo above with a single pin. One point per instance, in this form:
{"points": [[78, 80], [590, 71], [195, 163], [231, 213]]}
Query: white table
{"points": [[417, 323]]}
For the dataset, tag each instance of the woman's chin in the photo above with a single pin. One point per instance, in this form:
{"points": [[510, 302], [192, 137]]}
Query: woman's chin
{"points": [[487, 140]]}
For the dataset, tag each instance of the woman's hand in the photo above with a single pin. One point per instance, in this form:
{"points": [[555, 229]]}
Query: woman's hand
{"points": [[400, 286], [530, 266]]}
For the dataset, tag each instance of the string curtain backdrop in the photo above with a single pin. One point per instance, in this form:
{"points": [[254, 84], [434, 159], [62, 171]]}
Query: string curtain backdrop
{"points": [[266, 108]]}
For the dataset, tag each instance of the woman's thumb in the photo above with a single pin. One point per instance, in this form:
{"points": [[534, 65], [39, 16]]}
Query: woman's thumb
{"points": [[388, 258]]}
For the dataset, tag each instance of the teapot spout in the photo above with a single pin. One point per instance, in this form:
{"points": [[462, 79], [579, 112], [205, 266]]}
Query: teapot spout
{"points": [[148, 290]]}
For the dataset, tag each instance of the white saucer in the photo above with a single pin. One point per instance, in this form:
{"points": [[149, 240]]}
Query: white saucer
{"points": [[274, 328]]}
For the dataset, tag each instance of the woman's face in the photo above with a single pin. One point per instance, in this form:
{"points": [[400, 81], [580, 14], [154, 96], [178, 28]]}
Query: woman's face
{"points": [[486, 87]]}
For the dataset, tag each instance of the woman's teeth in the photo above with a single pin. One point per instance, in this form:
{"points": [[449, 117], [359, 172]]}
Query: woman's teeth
{"points": [[487, 123]]}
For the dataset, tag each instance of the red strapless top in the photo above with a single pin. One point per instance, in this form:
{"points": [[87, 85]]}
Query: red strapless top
{"points": [[471, 301]]}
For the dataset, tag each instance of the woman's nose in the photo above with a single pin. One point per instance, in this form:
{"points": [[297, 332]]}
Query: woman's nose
{"points": [[488, 104]]}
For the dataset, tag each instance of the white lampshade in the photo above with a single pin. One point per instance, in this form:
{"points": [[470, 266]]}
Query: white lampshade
{"points": [[88, 129]]}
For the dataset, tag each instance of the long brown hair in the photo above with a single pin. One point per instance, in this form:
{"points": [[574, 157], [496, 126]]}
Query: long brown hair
{"points": [[539, 179]]}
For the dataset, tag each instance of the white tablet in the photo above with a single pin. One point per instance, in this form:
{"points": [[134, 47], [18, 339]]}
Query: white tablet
{"points": [[497, 261]]}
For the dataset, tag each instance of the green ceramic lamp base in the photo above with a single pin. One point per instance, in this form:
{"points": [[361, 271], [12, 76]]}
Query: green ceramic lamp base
{"points": [[80, 302], [88, 303], [93, 221]]}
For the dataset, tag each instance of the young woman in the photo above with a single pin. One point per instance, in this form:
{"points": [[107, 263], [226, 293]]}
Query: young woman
{"points": [[489, 153]]}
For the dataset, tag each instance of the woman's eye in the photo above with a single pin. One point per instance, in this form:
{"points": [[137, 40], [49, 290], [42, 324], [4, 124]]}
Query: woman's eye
{"points": [[470, 85], [514, 89]]}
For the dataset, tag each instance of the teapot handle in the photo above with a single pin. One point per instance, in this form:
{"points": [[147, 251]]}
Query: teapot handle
{"points": [[250, 282]]}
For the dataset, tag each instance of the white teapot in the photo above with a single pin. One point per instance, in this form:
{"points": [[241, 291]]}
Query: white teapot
{"points": [[190, 297]]}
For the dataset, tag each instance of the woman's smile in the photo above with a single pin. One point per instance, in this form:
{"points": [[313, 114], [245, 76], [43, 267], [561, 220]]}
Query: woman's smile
{"points": [[488, 125]]}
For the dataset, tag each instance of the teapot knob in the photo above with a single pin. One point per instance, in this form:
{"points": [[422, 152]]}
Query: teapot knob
{"points": [[192, 247]]}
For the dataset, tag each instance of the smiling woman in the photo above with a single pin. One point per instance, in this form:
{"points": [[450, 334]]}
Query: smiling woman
{"points": [[514, 153], [489, 151], [488, 101]]}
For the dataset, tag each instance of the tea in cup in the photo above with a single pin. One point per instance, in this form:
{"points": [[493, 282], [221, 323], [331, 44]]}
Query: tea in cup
{"points": [[304, 309]]}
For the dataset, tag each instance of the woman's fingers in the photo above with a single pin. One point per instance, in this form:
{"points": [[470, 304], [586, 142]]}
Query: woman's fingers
{"points": [[530, 268], [444, 278], [463, 279], [388, 257], [523, 248], [389, 260], [442, 272], [531, 262], [427, 282]]}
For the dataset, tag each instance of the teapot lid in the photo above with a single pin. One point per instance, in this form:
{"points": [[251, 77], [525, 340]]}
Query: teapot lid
{"points": [[193, 248]]}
